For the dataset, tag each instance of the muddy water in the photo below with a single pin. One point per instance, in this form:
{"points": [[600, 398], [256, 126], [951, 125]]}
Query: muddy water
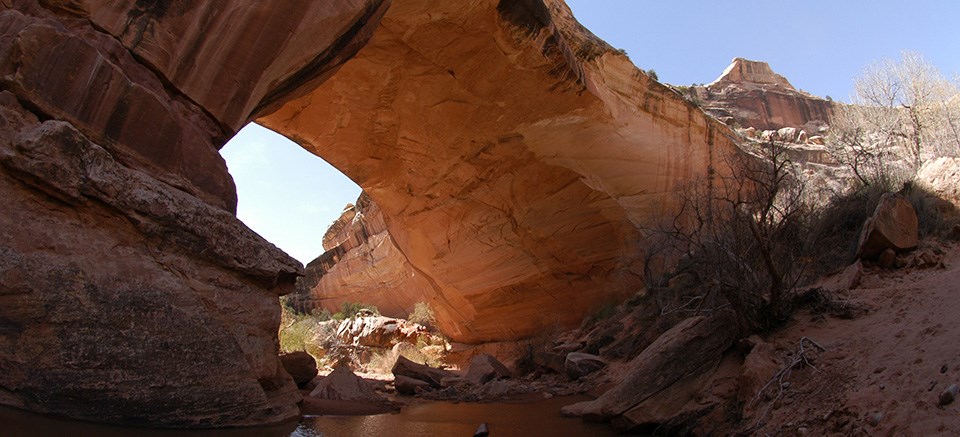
{"points": [[418, 419]]}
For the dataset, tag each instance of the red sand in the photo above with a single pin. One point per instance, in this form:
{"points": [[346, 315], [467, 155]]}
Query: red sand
{"points": [[883, 372]]}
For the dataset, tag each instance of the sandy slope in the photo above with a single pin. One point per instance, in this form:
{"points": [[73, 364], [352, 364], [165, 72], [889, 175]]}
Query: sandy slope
{"points": [[882, 373]]}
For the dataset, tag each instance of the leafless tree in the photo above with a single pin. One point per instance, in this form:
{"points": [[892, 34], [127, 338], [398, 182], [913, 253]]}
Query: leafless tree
{"points": [[741, 235], [903, 113]]}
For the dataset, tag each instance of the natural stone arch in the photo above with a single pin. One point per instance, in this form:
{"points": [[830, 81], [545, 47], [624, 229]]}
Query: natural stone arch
{"points": [[513, 155], [113, 112]]}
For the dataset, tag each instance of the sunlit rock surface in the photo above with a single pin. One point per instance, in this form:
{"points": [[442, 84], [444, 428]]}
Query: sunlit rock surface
{"points": [[361, 264], [513, 154], [750, 94]]}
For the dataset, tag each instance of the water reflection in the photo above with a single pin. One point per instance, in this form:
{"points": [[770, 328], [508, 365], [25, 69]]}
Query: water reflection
{"points": [[447, 419], [417, 419], [16, 423]]}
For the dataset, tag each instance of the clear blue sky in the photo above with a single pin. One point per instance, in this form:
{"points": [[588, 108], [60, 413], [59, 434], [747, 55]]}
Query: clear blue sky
{"points": [[290, 197]]}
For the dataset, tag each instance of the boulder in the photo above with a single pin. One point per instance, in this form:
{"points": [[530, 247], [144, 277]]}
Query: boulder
{"points": [[484, 368], [894, 225], [579, 364], [687, 350], [409, 386], [548, 360], [847, 279], [343, 385], [759, 366], [378, 331], [301, 366], [887, 259], [431, 375], [788, 134]]}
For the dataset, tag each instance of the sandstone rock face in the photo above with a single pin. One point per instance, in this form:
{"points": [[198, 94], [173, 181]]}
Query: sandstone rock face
{"points": [[129, 292], [361, 264], [938, 178], [126, 300], [235, 58], [751, 94], [893, 226], [513, 156]]}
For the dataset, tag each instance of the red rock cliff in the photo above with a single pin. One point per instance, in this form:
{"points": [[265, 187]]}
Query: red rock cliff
{"points": [[512, 153], [751, 94], [129, 292], [361, 264]]}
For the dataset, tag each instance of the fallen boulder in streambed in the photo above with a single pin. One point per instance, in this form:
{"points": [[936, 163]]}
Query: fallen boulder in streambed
{"points": [[484, 368], [688, 349], [430, 375], [344, 393], [301, 366]]}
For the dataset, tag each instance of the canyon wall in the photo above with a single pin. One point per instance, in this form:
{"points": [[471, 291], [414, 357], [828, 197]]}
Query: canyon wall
{"points": [[361, 264], [129, 291], [514, 155], [750, 94]]}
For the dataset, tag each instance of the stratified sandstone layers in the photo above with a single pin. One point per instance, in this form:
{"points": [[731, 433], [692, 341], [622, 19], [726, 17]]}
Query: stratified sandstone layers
{"points": [[361, 264], [751, 94], [513, 154], [129, 292]]}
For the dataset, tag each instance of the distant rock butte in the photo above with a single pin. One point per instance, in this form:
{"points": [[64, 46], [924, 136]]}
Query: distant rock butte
{"points": [[751, 94], [513, 155]]}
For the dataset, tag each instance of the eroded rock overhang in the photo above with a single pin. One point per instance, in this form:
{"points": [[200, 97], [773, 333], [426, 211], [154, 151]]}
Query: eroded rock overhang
{"points": [[514, 155]]}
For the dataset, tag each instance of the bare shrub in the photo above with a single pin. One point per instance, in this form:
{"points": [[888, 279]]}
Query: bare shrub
{"points": [[741, 236]]}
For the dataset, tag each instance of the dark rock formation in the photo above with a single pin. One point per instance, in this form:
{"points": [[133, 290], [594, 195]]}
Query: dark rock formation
{"points": [[579, 364], [422, 372], [129, 292], [484, 368], [406, 385], [301, 366], [687, 350]]}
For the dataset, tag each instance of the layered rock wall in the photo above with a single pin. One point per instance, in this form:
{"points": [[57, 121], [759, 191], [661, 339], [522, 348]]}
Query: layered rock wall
{"points": [[361, 264], [513, 155], [129, 292], [750, 94]]}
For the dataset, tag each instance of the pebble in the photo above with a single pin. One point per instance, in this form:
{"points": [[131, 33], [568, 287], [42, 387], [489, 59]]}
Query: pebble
{"points": [[949, 395], [875, 418]]}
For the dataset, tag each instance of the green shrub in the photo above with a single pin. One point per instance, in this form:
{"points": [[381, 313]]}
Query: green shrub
{"points": [[423, 315], [350, 309]]}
